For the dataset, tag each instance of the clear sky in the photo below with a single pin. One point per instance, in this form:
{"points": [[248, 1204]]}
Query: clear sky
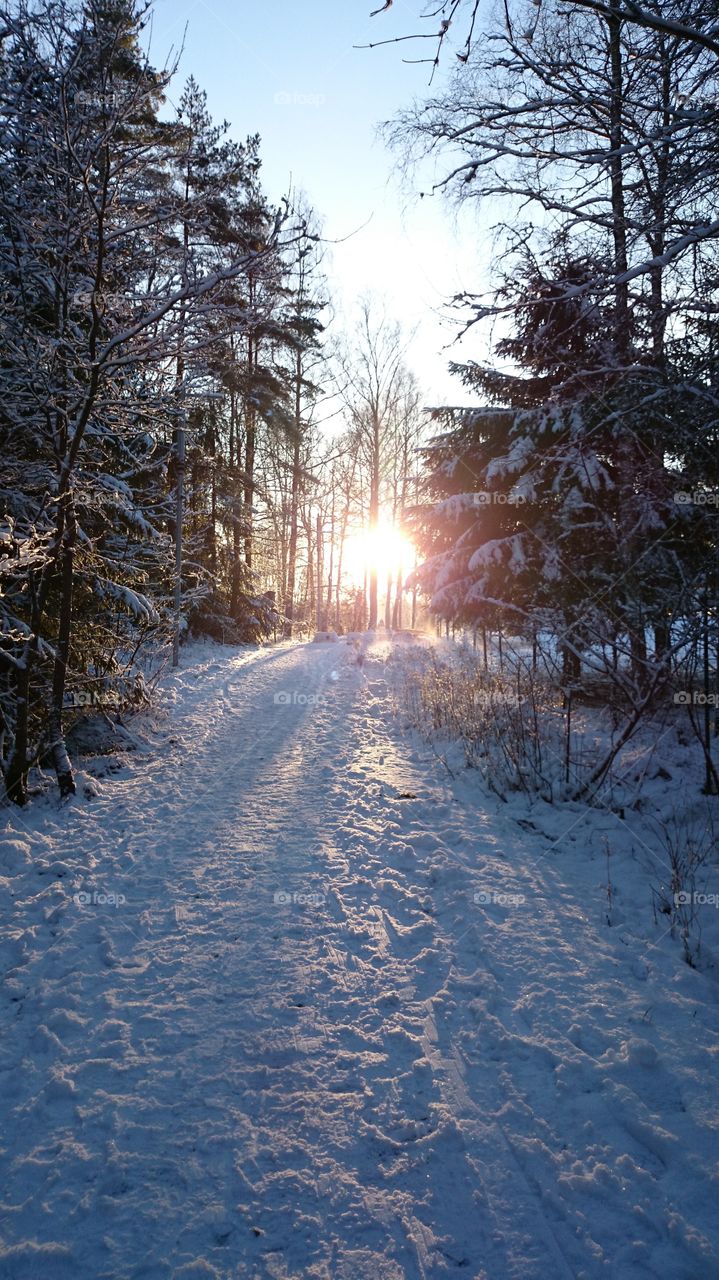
{"points": [[288, 70]]}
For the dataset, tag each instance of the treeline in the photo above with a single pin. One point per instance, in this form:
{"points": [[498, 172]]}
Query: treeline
{"points": [[159, 320], [576, 506], [150, 296], [179, 453]]}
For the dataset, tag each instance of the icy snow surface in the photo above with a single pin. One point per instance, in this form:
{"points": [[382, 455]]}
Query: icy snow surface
{"points": [[282, 999]]}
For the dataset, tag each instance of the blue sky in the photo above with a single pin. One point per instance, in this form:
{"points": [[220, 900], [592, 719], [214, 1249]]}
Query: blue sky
{"points": [[288, 70]]}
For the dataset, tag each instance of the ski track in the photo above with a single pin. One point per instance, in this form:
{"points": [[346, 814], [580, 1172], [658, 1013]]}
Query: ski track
{"points": [[391, 1082]]}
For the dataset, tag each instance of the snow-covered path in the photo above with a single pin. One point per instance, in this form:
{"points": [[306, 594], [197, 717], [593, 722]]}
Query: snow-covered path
{"points": [[343, 1026]]}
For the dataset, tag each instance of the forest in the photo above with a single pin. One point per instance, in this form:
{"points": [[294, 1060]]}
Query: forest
{"points": [[192, 446], [359, 715], [165, 376]]}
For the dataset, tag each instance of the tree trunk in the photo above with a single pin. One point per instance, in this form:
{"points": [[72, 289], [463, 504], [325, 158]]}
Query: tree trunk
{"points": [[16, 776], [319, 572], [179, 519], [60, 758], [374, 519], [18, 764], [249, 487], [397, 610], [251, 433], [294, 523], [212, 531], [638, 651], [571, 666], [616, 172], [331, 568], [710, 774], [662, 641], [234, 458], [338, 584], [310, 572]]}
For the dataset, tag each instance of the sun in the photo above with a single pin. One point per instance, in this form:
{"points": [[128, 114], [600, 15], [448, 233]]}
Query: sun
{"points": [[385, 550]]}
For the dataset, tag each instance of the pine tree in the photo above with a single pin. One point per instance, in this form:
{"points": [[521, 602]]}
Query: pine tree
{"points": [[104, 298]]}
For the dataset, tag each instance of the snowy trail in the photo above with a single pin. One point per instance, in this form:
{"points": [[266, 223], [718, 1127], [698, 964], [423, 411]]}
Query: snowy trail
{"points": [[422, 1060]]}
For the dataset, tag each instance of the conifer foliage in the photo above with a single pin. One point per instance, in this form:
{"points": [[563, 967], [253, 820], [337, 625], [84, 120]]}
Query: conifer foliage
{"points": [[143, 305], [576, 500]]}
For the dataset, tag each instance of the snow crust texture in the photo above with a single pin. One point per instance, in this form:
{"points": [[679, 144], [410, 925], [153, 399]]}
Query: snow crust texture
{"points": [[281, 1000]]}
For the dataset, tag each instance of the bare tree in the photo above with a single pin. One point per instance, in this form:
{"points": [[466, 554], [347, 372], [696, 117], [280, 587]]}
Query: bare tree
{"points": [[374, 377]]}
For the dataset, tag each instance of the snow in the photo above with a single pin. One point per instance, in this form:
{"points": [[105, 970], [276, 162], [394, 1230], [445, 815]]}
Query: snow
{"points": [[283, 997], [139, 605]]}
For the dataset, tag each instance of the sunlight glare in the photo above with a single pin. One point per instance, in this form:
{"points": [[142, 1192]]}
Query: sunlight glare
{"points": [[385, 549]]}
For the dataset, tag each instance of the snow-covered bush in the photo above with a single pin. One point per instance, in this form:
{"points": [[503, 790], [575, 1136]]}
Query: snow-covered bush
{"points": [[688, 848], [511, 725]]}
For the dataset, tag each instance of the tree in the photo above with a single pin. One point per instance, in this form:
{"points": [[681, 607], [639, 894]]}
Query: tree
{"points": [[305, 304], [691, 23], [375, 382], [223, 213], [603, 132], [98, 307]]}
